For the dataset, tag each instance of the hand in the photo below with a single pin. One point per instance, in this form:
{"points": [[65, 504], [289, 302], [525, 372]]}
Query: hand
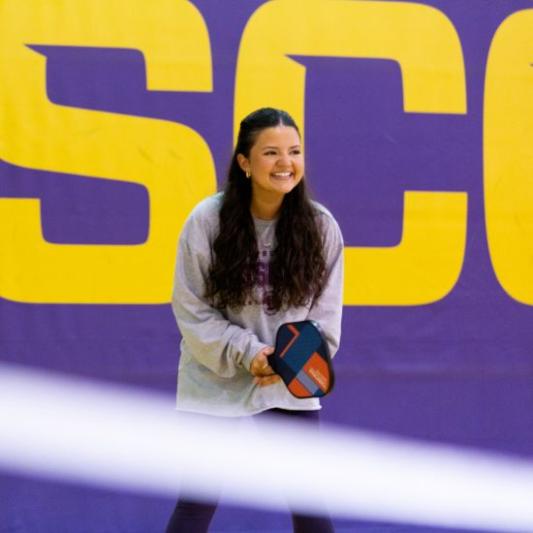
{"points": [[263, 372]]}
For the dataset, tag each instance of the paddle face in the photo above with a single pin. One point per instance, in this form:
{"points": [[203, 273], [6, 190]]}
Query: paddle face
{"points": [[302, 359]]}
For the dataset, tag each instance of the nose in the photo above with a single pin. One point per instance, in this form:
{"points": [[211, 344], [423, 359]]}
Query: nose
{"points": [[284, 160]]}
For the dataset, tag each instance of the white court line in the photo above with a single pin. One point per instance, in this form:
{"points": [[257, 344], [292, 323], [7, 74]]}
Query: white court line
{"points": [[99, 434]]}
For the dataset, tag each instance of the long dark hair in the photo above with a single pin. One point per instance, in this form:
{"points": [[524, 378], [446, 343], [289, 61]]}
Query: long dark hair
{"points": [[297, 265]]}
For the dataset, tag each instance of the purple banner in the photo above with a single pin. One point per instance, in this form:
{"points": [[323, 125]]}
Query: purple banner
{"points": [[457, 370]]}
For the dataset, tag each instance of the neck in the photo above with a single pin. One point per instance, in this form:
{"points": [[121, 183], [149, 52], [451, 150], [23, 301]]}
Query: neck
{"points": [[266, 208]]}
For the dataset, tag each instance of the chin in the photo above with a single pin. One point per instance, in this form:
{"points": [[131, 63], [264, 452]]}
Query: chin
{"points": [[287, 189], [286, 186]]}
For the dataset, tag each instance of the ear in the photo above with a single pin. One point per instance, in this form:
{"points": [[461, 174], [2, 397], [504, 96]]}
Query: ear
{"points": [[243, 162]]}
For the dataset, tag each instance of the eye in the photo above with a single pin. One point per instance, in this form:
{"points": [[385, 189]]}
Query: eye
{"points": [[296, 151], [270, 152]]}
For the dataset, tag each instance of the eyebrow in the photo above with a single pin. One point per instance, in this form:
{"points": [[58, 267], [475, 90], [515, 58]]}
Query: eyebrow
{"points": [[276, 147]]}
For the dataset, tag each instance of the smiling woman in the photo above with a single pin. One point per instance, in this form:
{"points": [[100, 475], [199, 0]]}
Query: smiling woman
{"points": [[250, 259], [265, 183], [275, 165]]}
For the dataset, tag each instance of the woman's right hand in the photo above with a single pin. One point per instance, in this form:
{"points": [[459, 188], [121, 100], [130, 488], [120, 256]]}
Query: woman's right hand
{"points": [[261, 370]]}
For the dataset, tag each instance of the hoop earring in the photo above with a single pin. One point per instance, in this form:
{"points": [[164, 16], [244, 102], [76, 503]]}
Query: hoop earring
{"points": [[248, 174]]}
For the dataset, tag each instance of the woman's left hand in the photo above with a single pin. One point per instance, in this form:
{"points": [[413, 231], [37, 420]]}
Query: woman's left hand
{"points": [[263, 372]]}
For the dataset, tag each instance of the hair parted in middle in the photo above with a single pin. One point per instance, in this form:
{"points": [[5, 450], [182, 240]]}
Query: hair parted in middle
{"points": [[297, 266]]}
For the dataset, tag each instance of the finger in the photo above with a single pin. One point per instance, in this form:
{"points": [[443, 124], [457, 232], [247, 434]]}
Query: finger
{"points": [[261, 361], [267, 380], [259, 377], [267, 352], [271, 380], [267, 370], [265, 373], [257, 364]]}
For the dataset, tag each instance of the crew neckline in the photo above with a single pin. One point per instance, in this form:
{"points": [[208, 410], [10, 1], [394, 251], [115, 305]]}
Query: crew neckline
{"points": [[264, 221]]}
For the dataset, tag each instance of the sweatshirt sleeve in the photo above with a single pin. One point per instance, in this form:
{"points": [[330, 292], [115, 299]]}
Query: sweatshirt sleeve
{"points": [[210, 338], [326, 310]]}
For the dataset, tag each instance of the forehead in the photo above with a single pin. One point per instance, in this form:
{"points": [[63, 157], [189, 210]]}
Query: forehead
{"points": [[282, 136]]}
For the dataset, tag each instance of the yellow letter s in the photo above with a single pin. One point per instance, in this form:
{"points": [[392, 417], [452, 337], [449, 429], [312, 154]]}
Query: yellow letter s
{"points": [[172, 161]]}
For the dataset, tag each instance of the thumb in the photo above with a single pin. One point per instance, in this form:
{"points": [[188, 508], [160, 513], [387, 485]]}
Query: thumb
{"points": [[269, 351]]}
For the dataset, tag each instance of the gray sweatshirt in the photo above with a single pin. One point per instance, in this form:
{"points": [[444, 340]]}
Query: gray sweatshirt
{"points": [[217, 347]]}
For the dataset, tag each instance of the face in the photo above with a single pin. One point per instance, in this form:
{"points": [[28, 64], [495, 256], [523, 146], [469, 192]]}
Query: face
{"points": [[275, 162]]}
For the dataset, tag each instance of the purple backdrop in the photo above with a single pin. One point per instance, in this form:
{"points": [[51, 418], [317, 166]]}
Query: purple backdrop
{"points": [[458, 371]]}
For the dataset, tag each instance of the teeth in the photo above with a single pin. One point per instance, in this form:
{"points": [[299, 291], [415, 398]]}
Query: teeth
{"points": [[282, 174]]}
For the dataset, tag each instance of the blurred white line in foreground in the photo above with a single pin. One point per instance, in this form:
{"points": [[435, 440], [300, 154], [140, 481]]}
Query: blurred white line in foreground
{"points": [[95, 433]]}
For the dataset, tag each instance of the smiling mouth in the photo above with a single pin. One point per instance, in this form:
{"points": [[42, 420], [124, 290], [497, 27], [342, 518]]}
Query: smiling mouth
{"points": [[282, 175]]}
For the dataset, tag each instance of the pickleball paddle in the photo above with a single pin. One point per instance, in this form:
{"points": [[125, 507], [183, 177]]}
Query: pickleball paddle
{"points": [[302, 359]]}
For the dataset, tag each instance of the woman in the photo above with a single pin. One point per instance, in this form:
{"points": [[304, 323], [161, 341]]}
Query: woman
{"points": [[251, 258]]}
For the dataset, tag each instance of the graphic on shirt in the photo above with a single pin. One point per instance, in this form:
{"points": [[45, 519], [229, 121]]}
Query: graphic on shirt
{"points": [[264, 288]]}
